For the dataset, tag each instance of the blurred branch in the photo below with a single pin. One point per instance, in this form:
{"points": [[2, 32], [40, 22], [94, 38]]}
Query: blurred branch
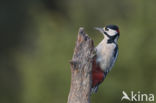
{"points": [[81, 67]]}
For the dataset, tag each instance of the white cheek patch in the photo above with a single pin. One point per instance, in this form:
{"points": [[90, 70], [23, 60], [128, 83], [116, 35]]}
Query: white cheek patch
{"points": [[112, 32]]}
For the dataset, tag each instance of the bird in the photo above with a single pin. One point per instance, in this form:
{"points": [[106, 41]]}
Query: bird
{"points": [[106, 53]]}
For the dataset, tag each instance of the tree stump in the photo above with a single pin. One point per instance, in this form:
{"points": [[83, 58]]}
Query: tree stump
{"points": [[81, 69]]}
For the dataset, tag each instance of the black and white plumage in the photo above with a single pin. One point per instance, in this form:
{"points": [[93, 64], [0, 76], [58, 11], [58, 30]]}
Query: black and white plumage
{"points": [[106, 54]]}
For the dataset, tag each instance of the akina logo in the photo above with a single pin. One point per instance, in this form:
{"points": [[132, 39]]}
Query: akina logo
{"points": [[137, 96]]}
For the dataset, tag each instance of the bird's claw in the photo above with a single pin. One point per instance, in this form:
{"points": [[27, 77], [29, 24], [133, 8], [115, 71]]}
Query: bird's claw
{"points": [[94, 53]]}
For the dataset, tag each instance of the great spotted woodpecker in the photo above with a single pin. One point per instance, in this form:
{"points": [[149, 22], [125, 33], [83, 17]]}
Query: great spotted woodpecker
{"points": [[106, 54]]}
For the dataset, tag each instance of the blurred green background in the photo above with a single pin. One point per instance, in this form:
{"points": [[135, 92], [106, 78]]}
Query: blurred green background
{"points": [[38, 38]]}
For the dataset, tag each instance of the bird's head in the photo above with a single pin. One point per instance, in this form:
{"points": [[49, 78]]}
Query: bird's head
{"points": [[110, 32]]}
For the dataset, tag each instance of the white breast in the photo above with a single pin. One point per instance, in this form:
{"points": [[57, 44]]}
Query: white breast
{"points": [[105, 55]]}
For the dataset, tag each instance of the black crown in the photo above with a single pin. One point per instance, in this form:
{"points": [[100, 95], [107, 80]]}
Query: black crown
{"points": [[114, 27]]}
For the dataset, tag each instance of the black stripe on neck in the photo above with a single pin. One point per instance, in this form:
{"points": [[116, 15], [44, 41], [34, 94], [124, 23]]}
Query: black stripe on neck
{"points": [[111, 38]]}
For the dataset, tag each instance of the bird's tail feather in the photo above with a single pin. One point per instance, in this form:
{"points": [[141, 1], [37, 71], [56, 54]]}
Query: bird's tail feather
{"points": [[94, 89]]}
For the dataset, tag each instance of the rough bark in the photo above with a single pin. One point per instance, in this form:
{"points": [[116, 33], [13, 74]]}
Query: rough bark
{"points": [[81, 67]]}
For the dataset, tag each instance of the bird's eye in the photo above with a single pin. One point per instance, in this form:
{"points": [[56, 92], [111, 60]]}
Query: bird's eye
{"points": [[106, 29]]}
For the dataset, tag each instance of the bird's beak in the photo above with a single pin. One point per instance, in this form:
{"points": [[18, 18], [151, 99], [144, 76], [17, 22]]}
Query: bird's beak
{"points": [[100, 29]]}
